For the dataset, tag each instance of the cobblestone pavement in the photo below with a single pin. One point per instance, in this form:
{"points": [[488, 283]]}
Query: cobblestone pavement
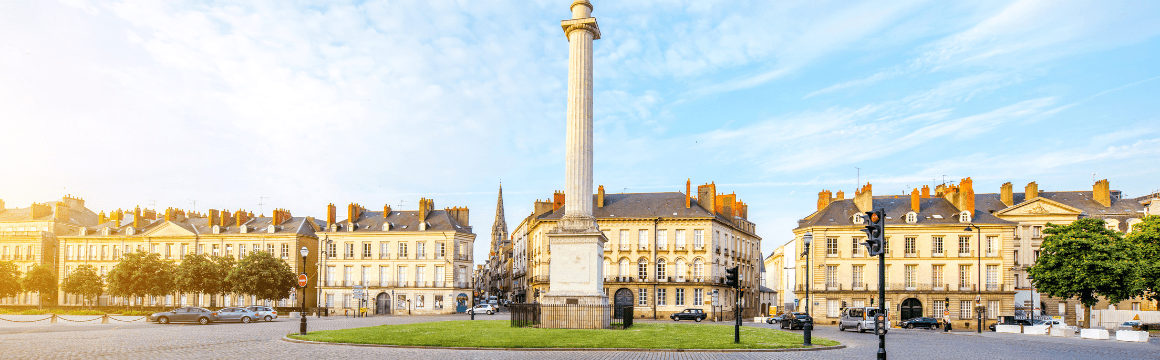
{"points": [[263, 341]]}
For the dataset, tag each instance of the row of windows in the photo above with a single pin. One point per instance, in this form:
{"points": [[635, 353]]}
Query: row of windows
{"points": [[662, 239], [910, 245], [965, 311], [171, 251], [384, 276], [662, 297], [15, 254], [698, 268], [365, 251], [911, 276]]}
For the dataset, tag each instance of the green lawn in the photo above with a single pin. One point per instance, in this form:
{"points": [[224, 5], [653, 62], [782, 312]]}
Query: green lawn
{"points": [[499, 334]]}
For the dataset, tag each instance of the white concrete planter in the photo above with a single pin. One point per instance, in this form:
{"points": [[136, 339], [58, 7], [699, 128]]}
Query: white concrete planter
{"points": [[1098, 334], [1133, 336], [1010, 329], [1063, 331], [1035, 330], [759, 319]]}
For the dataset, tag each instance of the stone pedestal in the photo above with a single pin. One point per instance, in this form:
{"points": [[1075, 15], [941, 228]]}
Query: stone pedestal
{"points": [[575, 299]]}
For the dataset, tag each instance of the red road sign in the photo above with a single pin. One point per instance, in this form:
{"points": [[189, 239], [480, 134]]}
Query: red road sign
{"points": [[302, 280]]}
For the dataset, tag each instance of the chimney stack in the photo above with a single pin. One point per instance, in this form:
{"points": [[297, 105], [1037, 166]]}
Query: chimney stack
{"points": [[542, 207], [915, 200], [1031, 191], [1006, 195], [688, 193], [706, 195], [240, 218], [600, 196], [864, 198], [967, 196], [841, 195], [224, 218], [557, 200], [211, 220], [137, 217], [423, 212], [925, 191], [330, 214], [824, 199], [2, 206], [1101, 193], [101, 218], [60, 212], [386, 211]]}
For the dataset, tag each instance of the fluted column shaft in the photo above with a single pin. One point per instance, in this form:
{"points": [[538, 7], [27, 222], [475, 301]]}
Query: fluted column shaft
{"points": [[578, 171]]}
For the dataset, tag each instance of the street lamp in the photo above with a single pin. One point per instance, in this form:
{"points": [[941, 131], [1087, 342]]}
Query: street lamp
{"points": [[322, 254], [979, 270], [302, 312], [808, 327], [1031, 280]]}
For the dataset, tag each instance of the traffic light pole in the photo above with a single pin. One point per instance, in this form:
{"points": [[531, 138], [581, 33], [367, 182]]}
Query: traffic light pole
{"points": [[737, 312], [882, 303], [876, 245]]}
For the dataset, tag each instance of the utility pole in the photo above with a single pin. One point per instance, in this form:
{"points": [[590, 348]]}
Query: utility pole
{"points": [[261, 203], [194, 203]]}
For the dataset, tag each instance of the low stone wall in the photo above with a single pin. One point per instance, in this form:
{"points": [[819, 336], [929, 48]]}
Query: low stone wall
{"points": [[1098, 334], [1132, 336], [1035, 330], [1010, 329]]}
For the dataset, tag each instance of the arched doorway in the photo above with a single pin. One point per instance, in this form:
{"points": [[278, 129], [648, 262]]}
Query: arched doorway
{"points": [[383, 304], [623, 297], [911, 308], [461, 303]]}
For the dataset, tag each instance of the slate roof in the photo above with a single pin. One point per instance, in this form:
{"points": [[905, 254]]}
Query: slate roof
{"points": [[199, 225], [437, 220], [646, 206], [840, 212], [78, 217]]}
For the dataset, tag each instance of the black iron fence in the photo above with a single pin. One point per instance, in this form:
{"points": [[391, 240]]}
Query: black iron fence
{"points": [[570, 316]]}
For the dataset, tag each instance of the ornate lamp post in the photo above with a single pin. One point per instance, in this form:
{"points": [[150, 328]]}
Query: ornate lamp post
{"points": [[302, 312], [808, 327]]}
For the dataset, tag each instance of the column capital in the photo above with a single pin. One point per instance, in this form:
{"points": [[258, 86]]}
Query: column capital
{"points": [[588, 24]]}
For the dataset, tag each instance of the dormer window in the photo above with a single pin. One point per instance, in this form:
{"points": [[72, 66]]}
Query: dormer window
{"points": [[911, 217], [422, 225], [270, 229], [350, 226], [965, 216], [857, 219], [243, 229], [105, 231], [386, 226], [130, 231], [217, 230]]}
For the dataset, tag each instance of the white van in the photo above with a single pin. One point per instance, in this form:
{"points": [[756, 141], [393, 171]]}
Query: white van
{"points": [[860, 318]]}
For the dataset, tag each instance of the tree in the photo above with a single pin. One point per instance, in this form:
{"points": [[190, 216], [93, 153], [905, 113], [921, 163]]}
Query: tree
{"points": [[85, 282], [198, 274], [1086, 260], [1146, 235], [9, 279], [223, 266], [263, 276], [141, 274], [42, 280]]}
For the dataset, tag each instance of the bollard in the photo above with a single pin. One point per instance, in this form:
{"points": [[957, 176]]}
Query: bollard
{"points": [[53, 319], [473, 315], [105, 319], [806, 335]]}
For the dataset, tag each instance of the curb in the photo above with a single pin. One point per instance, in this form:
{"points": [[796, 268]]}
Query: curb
{"points": [[819, 348]]}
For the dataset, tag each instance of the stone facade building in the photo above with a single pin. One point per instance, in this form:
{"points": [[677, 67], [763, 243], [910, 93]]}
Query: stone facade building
{"points": [[933, 264], [178, 233], [497, 272], [666, 251], [28, 236], [408, 262]]}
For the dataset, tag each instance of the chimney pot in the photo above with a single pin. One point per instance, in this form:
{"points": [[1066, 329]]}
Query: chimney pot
{"points": [[1006, 195], [1101, 193], [1031, 191]]}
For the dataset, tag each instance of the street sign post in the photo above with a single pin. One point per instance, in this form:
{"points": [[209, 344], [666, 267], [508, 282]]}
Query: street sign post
{"points": [[301, 280]]}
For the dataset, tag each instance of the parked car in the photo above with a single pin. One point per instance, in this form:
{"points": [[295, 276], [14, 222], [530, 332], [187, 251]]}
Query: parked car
{"points": [[482, 308], [238, 314], [1052, 322], [797, 321], [775, 319], [919, 322], [1010, 320], [1129, 325], [689, 314], [264, 312], [186, 314], [861, 318]]}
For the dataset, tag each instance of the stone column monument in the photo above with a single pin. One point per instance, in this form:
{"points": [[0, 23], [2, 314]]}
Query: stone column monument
{"points": [[577, 244]]}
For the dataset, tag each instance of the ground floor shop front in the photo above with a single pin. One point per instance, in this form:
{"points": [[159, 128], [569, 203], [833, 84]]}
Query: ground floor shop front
{"points": [[962, 307], [397, 301]]}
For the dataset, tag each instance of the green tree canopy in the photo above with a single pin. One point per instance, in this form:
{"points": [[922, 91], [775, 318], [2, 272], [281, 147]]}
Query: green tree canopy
{"points": [[9, 279], [263, 276], [1085, 260], [1146, 235], [199, 274], [142, 274], [85, 282], [42, 280]]}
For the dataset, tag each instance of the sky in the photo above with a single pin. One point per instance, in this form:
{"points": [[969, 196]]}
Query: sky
{"points": [[263, 104]]}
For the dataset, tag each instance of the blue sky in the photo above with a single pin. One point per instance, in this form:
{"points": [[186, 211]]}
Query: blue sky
{"points": [[307, 103]]}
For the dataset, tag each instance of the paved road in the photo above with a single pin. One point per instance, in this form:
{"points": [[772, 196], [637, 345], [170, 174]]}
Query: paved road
{"points": [[263, 341]]}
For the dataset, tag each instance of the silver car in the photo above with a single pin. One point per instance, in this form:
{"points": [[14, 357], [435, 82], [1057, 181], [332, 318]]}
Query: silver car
{"points": [[185, 314], [238, 314], [264, 312]]}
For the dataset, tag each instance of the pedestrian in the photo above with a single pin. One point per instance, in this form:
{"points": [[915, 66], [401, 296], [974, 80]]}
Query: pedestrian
{"points": [[947, 321]]}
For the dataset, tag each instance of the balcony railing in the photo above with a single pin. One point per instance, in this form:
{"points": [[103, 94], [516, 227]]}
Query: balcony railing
{"points": [[624, 247], [938, 254], [699, 247], [540, 278], [911, 254]]}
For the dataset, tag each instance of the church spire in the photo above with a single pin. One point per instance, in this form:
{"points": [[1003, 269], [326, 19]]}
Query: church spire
{"points": [[499, 230]]}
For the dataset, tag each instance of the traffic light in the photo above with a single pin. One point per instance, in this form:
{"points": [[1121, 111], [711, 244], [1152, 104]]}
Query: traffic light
{"points": [[880, 324], [731, 277], [875, 231]]}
